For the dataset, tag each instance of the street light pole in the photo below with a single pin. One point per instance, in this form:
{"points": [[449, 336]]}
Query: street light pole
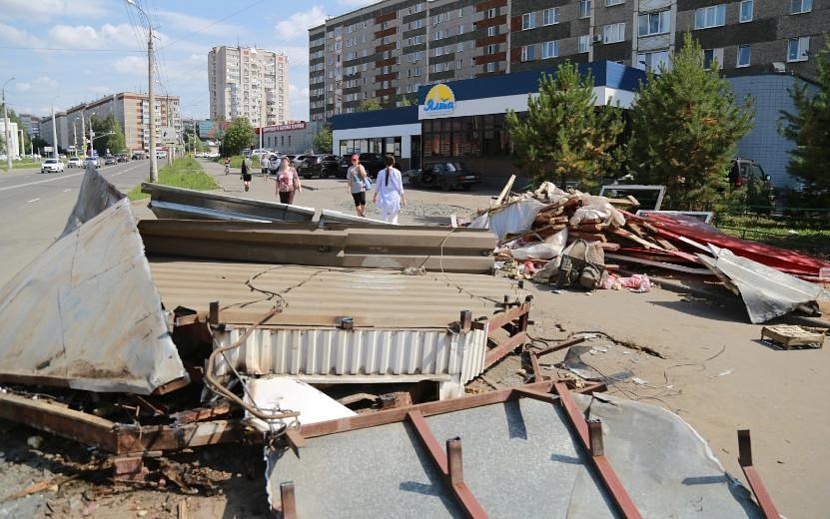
{"points": [[6, 126], [83, 131], [151, 94], [54, 136], [91, 133]]}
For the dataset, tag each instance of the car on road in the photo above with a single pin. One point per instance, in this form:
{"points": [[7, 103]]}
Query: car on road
{"points": [[122, 158], [91, 161], [109, 160], [445, 174], [138, 156], [75, 162], [323, 166], [51, 166], [373, 162]]}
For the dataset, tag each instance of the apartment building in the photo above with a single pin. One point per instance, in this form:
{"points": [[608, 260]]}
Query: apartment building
{"points": [[45, 127], [387, 50], [31, 124], [132, 111], [248, 82]]}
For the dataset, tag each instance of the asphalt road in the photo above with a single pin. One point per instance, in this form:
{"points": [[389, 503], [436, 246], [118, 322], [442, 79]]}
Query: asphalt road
{"points": [[34, 208]]}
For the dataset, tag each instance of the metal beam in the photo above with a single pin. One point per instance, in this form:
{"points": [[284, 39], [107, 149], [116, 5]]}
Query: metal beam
{"points": [[768, 507], [605, 471]]}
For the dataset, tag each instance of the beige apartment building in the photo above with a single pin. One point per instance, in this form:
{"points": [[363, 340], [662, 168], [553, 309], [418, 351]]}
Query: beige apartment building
{"points": [[132, 111], [386, 50], [248, 82]]}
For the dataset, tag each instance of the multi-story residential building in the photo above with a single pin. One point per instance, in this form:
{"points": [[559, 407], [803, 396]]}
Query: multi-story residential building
{"points": [[60, 130], [31, 124], [248, 82], [387, 50], [132, 111]]}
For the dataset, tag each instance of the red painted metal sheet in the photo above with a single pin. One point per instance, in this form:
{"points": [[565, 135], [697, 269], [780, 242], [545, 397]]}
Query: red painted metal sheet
{"points": [[787, 261]]}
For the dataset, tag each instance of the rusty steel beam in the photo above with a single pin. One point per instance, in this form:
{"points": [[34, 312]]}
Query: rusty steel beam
{"points": [[288, 500], [500, 319], [495, 354], [449, 464], [763, 497], [605, 471]]}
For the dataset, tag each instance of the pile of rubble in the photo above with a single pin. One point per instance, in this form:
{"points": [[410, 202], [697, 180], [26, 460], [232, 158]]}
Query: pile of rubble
{"points": [[577, 239]]}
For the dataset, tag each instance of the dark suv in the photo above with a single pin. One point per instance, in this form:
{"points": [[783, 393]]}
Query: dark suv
{"points": [[446, 175], [373, 162], [322, 166]]}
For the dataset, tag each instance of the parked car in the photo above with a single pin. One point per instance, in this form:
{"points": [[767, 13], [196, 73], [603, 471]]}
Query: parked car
{"points": [[109, 160], [138, 156], [51, 166], [274, 163], [446, 175], [93, 161], [298, 160], [122, 158], [322, 166], [75, 162], [373, 163]]}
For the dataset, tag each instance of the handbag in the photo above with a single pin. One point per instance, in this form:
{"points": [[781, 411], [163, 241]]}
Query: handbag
{"points": [[367, 183]]}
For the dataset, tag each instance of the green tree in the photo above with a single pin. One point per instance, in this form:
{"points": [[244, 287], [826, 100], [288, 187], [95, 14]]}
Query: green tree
{"points": [[367, 105], [405, 101], [563, 135], [808, 127], [685, 128], [322, 141], [240, 135], [114, 142]]}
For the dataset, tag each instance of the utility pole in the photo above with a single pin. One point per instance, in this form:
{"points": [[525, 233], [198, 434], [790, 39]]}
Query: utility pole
{"points": [[6, 127], [151, 94], [83, 131], [91, 134]]}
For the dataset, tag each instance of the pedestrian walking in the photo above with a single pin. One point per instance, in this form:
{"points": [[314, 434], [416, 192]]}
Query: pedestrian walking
{"points": [[288, 182], [246, 173], [227, 166], [358, 183], [264, 164], [389, 195]]}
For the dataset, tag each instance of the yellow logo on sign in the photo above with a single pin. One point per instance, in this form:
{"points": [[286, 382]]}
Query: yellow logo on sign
{"points": [[440, 99]]}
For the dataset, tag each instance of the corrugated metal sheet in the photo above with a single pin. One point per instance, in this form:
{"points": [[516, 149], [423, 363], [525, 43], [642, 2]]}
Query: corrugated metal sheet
{"points": [[316, 296], [360, 356], [85, 313]]}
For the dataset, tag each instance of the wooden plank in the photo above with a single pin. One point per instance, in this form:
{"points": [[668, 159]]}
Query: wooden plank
{"points": [[505, 190], [201, 413], [504, 348], [132, 439]]}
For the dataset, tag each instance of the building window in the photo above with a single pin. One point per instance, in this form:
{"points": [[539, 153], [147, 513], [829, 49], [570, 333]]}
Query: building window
{"points": [[492, 31], [801, 6], [713, 16], [653, 60], [491, 13], [528, 21], [550, 49], [584, 8], [654, 23], [490, 67], [491, 49], [747, 6], [744, 56], [550, 16], [609, 3], [584, 41], [797, 48], [711, 56], [613, 33], [528, 53]]}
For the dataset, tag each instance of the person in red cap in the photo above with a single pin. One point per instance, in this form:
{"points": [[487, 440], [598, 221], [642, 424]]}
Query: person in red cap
{"points": [[356, 184]]}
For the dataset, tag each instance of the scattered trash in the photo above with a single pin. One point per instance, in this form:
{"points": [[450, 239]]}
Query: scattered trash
{"points": [[639, 381], [725, 373]]}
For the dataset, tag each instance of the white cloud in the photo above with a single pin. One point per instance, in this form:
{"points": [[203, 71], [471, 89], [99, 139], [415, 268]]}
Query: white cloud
{"points": [[132, 65], [296, 56], [18, 37], [188, 23], [297, 102], [297, 25], [356, 3], [101, 90], [23, 87], [87, 37], [43, 84], [48, 9]]}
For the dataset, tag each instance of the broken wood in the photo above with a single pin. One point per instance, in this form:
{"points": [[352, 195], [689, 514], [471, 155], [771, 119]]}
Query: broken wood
{"points": [[40, 486], [201, 414], [507, 187]]}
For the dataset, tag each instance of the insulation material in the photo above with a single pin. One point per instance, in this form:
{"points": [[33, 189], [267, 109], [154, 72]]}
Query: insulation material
{"points": [[548, 249], [85, 313], [767, 293], [273, 394], [514, 218]]}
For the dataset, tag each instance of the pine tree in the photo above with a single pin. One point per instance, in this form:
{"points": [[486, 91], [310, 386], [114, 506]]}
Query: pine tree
{"points": [[809, 129], [685, 128], [564, 136]]}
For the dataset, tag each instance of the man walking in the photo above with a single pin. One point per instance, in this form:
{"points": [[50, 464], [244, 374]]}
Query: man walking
{"points": [[356, 184]]}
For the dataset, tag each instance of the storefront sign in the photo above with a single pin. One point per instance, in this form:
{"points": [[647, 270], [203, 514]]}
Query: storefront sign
{"points": [[285, 127], [439, 100]]}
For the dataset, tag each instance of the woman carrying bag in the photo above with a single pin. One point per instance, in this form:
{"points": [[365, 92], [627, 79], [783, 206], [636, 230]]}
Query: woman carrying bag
{"points": [[389, 193], [288, 181]]}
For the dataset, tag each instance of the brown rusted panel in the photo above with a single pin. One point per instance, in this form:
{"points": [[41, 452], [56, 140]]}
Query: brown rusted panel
{"points": [[385, 92], [483, 6], [491, 40], [490, 22], [391, 76], [491, 58], [383, 48], [386, 32], [165, 438], [386, 17], [516, 24], [499, 320], [515, 55], [386, 62]]}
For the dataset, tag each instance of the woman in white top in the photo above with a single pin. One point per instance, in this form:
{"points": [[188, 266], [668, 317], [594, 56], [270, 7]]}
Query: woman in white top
{"points": [[389, 193]]}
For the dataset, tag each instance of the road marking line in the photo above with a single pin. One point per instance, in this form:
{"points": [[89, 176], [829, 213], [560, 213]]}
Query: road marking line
{"points": [[62, 177], [67, 190], [33, 200]]}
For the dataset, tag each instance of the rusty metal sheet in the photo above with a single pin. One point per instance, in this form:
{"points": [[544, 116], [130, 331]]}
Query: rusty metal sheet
{"points": [[85, 313]]}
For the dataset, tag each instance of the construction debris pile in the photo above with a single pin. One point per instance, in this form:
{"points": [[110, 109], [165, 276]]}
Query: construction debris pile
{"points": [[576, 239]]}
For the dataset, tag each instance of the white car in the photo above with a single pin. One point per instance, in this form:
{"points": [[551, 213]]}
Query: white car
{"points": [[75, 162], [91, 161], [52, 166]]}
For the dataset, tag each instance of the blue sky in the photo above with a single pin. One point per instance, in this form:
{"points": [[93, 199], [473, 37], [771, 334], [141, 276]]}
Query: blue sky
{"points": [[64, 52]]}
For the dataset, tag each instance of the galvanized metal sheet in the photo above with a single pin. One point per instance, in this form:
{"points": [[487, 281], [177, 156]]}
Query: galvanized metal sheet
{"points": [[85, 313]]}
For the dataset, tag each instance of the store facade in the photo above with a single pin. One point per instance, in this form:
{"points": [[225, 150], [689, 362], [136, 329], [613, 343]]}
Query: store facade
{"points": [[465, 120]]}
